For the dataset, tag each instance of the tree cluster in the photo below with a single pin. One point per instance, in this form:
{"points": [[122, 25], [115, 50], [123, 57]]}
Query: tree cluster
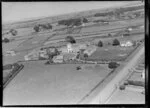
{"points": [[39, 27], [13, 32], [70, 22], [103, 14], [5, 40], [53, 53]]}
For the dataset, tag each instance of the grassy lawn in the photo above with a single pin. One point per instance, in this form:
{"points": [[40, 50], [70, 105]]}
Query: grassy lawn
{"points": [[53, 84], [111, 53]]}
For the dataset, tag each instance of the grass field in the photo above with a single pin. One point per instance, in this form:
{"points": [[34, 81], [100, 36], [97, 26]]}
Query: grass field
{"points": [[53, 84], [110, 53]]}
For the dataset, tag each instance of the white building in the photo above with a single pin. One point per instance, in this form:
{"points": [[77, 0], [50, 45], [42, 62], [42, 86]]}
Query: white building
{"points": [[126, 43], [129, 29], [73, 48], [69, 48]]}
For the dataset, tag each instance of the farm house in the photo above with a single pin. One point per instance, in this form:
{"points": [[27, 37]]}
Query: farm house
{"points": [[126, 43], [75, 47]]}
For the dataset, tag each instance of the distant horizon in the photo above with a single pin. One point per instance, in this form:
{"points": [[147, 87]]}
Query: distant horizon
{"points": [[23, 11]]}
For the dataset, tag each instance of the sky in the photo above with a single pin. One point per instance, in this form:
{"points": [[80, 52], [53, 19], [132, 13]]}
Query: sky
{"points": [[19, 11]]}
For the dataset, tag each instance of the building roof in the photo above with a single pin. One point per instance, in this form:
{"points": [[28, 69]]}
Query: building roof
{"points": [[69, 56]]}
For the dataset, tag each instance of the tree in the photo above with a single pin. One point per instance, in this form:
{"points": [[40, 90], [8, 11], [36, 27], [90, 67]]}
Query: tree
{"points": [[85, 56], [56, 52], [85, 20], [78, 67], [78, 56], [51, 54], [13, 32], [100, 44], [47, 26], [109, 35], [70, 39], [36, 28], [116, 42], [112, 65]]}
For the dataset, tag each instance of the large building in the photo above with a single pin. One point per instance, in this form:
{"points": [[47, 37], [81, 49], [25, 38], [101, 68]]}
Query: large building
{"points": [[126, 43], [72, 48], [75, 47]]}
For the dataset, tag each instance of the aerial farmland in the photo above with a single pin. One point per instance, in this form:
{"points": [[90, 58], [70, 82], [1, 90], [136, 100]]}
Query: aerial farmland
{"points": [[78, 58]]}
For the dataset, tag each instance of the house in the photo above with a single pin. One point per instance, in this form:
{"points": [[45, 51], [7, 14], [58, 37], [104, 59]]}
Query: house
{"points": [[75, 47], [58, 59], [69, 56], [126, 43], [63, 49], [90, 50]]}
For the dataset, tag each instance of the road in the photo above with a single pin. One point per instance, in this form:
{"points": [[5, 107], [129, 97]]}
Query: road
{"points": [[102, 93]]}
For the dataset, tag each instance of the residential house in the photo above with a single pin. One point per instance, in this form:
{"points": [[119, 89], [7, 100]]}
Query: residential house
{"points": [[126, 43], [69, 56]]}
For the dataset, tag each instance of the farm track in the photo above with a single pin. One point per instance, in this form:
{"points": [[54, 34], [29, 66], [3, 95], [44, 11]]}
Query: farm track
{"points": [[77, 38], [62, 29], [83, 34], [92, 36]]}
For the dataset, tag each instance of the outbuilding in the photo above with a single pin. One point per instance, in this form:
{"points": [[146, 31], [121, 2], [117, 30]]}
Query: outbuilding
{"points": [[126, 43]]}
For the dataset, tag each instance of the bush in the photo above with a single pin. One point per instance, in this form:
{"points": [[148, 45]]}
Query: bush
{"points": [[78, 67], [5, 40], [85, 56], [46, 63], [112, 65], [85, 20], [116, 42], [100, 44], [122, 87], [7, 67]]}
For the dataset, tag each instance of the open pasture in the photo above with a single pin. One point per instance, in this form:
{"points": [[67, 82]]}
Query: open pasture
{"points": [[53, 84], [110, 53]]}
